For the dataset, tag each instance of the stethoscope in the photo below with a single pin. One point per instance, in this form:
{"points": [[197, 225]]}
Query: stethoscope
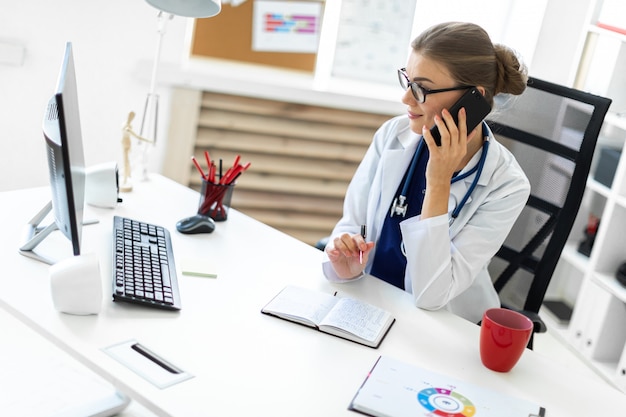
{"points": [[400, 205]]}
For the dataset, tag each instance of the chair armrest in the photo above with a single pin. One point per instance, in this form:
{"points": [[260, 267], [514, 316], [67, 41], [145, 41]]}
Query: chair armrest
{"points": [[539, 325]]}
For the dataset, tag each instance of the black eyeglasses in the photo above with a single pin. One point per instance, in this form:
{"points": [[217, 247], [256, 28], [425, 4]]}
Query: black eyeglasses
{"points": [[420, 92]]}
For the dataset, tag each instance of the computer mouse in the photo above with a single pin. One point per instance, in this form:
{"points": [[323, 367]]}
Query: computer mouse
{"points": [[196, 224]]}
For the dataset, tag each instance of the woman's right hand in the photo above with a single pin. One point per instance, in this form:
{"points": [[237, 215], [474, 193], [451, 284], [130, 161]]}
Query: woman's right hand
{"points": [[345, 255]]}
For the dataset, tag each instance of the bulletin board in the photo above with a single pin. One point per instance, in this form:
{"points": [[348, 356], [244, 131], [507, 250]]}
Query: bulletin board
{"points": [[229, 36]]}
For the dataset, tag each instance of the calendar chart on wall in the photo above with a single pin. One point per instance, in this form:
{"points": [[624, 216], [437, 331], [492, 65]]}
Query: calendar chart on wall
{"points": [[373, 39]]}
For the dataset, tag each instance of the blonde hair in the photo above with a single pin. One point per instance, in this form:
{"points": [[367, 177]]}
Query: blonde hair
{"points": [[466, 50]]}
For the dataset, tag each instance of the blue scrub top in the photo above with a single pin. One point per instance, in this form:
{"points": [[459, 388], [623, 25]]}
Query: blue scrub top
{"points": [[389, 261]]}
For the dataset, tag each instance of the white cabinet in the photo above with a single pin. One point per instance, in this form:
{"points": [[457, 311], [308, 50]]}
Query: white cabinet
{"points": [[597, 329]]}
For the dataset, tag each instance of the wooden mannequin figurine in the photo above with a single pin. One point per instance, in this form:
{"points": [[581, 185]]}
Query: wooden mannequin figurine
{"points": [[127, 132]]}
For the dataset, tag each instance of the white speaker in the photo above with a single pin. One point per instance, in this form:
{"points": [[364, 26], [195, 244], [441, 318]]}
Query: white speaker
{"points": [[102, 185], [76, 285]]}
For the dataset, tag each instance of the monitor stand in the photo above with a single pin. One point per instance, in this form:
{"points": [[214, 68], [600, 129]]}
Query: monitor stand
{"points": [[34, 234]]}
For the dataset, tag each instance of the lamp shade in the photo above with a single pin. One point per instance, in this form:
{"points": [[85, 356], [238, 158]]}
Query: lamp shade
{"points": [[188, 8]]}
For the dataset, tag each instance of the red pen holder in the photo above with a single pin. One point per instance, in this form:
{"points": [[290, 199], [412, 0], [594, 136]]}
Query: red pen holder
{"points": [[215, 200]]}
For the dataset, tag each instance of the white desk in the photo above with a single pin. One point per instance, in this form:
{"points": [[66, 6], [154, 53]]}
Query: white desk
{"points": [[244, 362]]}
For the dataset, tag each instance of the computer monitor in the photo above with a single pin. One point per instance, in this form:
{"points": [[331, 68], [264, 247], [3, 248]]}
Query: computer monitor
{"points": [[66, 163]]}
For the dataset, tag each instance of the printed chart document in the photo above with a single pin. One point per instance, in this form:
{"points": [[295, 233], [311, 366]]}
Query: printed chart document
{"points": [[344, 317], [397, 389]]}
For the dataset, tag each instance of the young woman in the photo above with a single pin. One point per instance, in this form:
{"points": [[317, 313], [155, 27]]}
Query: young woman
{"points": [[436, 215]]}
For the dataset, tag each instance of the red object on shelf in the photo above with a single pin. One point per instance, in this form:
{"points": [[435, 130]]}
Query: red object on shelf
{"points": [[611, 28]]}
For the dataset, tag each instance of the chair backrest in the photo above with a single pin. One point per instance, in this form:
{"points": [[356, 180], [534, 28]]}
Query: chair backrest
{"points": [[552, 130]]}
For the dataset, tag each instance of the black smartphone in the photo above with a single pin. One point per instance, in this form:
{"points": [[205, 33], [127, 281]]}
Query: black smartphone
{"points": [[476, 109]]}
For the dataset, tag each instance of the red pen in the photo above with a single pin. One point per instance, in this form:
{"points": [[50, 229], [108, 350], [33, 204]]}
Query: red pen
{"points": [[195, 162], [208, 158], [235, 172], [212, 172], [230, 174]]}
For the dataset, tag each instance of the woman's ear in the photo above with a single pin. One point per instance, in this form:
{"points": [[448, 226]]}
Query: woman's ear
{"points": [[481, 89]]}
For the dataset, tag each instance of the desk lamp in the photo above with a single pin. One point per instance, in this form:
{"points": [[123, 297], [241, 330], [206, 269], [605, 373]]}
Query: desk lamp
{"points": [[167, 10]]}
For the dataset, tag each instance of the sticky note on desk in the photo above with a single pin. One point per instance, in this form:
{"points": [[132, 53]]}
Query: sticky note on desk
{"points": [[198, 267]]}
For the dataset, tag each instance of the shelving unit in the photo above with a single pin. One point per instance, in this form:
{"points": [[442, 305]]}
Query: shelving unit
{"points": [[597, 329]]}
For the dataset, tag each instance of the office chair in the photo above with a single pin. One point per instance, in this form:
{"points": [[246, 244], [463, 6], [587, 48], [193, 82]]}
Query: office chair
{"points": [[552, 130]]}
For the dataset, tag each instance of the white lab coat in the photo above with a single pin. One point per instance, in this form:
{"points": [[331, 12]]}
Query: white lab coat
{"points": [[446, 264]]}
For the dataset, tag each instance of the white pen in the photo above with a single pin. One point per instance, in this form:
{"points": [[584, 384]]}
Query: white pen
{"points": [[363, 234]]}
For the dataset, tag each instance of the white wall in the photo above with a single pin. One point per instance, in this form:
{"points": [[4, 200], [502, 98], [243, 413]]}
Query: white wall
{"points": [[110, 39]]}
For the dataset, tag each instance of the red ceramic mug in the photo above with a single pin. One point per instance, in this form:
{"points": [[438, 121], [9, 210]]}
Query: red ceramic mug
{"points": [[504, 334]]}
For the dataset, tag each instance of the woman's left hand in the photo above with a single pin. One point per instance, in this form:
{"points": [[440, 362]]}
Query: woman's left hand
{"points": [[444, 160], [346, 253]]}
